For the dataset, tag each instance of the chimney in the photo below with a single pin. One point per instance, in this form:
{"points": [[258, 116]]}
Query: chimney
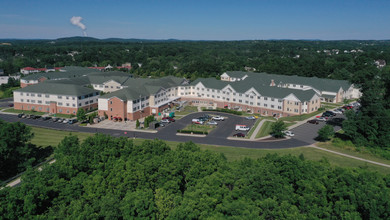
{"points": [[272, 82]]}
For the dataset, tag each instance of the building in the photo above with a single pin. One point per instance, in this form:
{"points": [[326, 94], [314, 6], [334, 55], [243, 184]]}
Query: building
{"points": [[133, 98], [53, 97], [140, 97]]}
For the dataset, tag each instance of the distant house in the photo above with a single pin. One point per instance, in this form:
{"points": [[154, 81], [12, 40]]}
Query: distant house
{"points": [[28, 70], [380, 63]]}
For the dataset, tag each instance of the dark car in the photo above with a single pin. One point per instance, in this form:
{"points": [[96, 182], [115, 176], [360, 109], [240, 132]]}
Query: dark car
{"points": [[20, 115], [11, 105], [313, 122], [72, 121], [239, 135], [55, 119], [45, 118], [330, 113]]}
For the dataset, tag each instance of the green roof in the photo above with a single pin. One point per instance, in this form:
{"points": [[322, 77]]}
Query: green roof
{"points": [[58, 89], [136, 87], [259, 85], [320, 84]]}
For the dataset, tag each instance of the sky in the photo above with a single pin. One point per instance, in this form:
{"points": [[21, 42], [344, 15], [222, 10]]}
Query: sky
{"points": [[197, 19]]}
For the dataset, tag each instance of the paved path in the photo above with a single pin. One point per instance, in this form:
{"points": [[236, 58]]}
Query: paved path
{"points": [[253, 136], [347, 155]]}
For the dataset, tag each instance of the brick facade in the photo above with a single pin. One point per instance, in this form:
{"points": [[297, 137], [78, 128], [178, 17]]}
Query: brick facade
{"points": [[52, 108]]}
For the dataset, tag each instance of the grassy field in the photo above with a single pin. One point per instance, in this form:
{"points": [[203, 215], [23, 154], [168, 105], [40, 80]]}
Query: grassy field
{"points": [[300, 117], [196, 127], [46, 137], [265, 129], [187, 110], [11, 110]]}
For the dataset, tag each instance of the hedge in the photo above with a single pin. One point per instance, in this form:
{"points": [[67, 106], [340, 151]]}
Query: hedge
{"points": [[225, 110], [193, 132]]}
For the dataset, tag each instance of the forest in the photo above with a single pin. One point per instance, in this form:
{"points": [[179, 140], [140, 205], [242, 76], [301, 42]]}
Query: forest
{"points": [[193, 59], [113, 178]]}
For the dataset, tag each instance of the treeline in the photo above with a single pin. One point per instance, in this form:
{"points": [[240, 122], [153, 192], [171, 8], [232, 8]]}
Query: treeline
{"points": [[113, 178], [16, 151], [193, 59]]}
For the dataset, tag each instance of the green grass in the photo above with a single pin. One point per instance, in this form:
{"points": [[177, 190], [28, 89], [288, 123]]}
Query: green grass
{"points": [[187, 110], [11, 110], [196, 127], [49, 137], [46, 137], [300, 117], [253, 128], [265, 129]]}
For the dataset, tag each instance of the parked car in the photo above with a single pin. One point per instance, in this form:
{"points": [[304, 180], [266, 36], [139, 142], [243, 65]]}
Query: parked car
{"points": [[45, 118], [242, 128], [212, 123], [289, 133], [11, 105], [65, 121], [54, 119], [313, 121], [169, 118], [24, 116], [165, 121], [206, 116], [60, 120], [321, 119], [72, 121], [250, 117], [218, 118], [35, 116], [341, 110], [239, 135], [20, 115], [197, 121], [337, 111]]}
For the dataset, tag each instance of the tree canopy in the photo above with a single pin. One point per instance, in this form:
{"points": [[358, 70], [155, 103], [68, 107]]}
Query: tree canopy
{"points": [[113, 178]]}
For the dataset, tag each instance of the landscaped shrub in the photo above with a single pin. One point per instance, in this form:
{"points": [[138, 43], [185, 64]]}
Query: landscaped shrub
{"points": [[193, 132], [225, 110]]}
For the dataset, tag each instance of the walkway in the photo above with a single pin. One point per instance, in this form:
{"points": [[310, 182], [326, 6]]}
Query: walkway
{"points": [[253, 136], [353, 157]]}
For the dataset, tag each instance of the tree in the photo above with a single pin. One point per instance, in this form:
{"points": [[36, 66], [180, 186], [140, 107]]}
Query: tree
{"points": [[325, 133], [81, 114], [278, 128], [137, 124]]}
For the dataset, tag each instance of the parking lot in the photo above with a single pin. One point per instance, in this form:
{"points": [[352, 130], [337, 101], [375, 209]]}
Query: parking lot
{"points": [[224, 128]]}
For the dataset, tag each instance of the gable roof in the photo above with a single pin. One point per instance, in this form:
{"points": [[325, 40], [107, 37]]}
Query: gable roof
{"points": [[58, 89]]}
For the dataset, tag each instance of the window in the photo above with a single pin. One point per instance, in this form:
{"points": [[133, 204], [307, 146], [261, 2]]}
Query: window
{"points": [[39, 102], [110, 102], [295, 110], [272, 99], [59, 97], [32, 101], [258, 103], [265, 98], [73, 105], [111, 109], [47, 102], [86, 103], [60, 103], [279, 107], [27, 94], [272, 106], [112, 87], [21, 94], [73, 98], [67, 97], [28, 100], [79, 104], [47, 96], [32, 95], [39, 95], [21, 100], [265, 105], [67, 104], [60, 110], [301, 86], [240, 100]]}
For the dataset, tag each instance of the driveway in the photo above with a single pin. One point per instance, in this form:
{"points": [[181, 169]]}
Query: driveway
{"points": [[219, 137]]}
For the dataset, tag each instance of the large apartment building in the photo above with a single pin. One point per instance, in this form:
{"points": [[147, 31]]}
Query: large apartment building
{"points": [[133, 98]]}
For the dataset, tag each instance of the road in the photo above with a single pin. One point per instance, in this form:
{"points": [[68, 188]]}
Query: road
{"points": [[304, 134]]}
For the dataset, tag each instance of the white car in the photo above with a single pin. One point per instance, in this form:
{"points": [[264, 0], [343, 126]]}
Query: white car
{"points": [[289, 133], [65, 121], [321, 119], [250, 117], [337, 111], [212, 123], [165, 121], [218, 118]]}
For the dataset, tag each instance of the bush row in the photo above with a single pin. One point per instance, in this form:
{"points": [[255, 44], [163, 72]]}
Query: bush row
{"points": [[193, 132], [225, 110]]}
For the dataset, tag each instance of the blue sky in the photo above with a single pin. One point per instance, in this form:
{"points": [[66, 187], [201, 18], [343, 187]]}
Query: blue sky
{"points": [[198, 20]]}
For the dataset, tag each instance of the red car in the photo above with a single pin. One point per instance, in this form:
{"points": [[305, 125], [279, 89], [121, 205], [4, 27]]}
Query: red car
{"points": [[169, 118], [239, 135], [347, 107]]}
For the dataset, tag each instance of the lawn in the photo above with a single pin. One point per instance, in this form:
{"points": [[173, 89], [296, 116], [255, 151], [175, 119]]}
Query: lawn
{"points": [[265, 129], [63, 115], [197, 127], [300, 117], [46, 137], [187, 110], [49, 137], [11, 110], [253, 128]]}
